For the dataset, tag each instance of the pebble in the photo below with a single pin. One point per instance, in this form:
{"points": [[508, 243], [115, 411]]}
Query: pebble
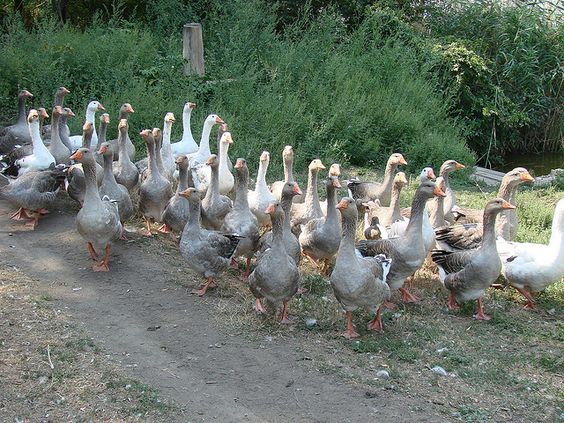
{"points": [[382, 374], [442, 350], [42, 380], [551, 311], [310, 323], [439, 370]]}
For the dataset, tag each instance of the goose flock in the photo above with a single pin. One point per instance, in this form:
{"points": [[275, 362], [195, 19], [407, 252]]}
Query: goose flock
{"points": [[203, 202]]}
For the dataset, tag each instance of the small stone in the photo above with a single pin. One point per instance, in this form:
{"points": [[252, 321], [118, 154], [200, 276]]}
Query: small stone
{"points": [[42, 380], [439, 370], [382, 374], [10, 234], [551, 311], [396, 315], [442, 350], [128, 386], [310, 323]]}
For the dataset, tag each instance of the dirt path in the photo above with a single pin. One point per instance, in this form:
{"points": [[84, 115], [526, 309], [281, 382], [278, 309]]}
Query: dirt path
{"points": [[142, 316]]}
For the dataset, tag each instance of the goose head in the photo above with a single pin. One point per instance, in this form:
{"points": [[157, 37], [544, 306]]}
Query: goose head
{"points": [[169, 118], [105, 118], [126, 108], [450, 165], [497, 205], [226, 138], [214, 119], [68, 112], [33, 116], [288, 153], [333, 182], [400, 181], [191, 194], [158, 136], [181, 162], [517, 176], [291, 188], [335, 170], [274, 208], [316, 165], [94, 106], [429, 189], [42, 113], [25, 94], [396, 159], [213, 161], [106, 149], [265, 157], [62, 91], [123, 126], [57, 111], [347, 207], [427, 174], [147, 136], [188, 107]]}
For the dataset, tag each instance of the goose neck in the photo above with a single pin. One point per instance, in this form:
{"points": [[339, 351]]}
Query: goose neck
{"points": [[89, 169], [193, 225], [414, 227], [186, 129], [288, 169], [489, 236], [223, 149], [348, 232], [21, 109], [277, 220], [395, 203], [331, 203], [389, 175], [261, 177], [55, 125], [153, 169], [182, 179], [437, 213], [241, 195], [205, 140], [213, 188], [312, 195], [102, 135]]}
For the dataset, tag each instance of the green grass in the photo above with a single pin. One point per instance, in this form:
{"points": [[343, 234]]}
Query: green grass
{"points": [[146, 399]]}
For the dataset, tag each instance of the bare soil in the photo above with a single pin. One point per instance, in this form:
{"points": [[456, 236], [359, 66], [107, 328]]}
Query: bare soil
{"points": [[142, 317]]}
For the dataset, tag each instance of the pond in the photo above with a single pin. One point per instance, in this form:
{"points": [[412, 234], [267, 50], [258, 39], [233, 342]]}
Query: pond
{"points": [[537, 164]]}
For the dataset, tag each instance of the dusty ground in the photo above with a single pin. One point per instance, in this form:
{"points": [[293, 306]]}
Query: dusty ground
{"points": [[213, 359], [140, 314]]}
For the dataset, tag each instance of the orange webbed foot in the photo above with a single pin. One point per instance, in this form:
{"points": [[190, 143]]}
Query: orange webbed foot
{"points": [[376, 323], [407, 297], [102, 267], [259, 307], [390, 305], [21, 214], [350, 334]]}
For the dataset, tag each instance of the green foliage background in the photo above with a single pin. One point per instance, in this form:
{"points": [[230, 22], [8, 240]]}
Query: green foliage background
{"points": [[348, 81]]}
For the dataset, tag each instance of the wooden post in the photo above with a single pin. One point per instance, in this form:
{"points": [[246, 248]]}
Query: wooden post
{"points": [[193, 49]]}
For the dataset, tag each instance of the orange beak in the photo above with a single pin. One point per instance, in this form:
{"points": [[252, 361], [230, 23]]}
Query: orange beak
{"points": [[336, 183], [239, 164], [506, 205], [27, 93], [77, 155], [431, 174], [402, 161], [65, 90], [271, 208], [102, 150], [526, 177], [44, 114], [438, 191], [229, 139], [342, 205], [100, 107], [460, 165], [106, 118], [59, 109], [210, 160], [297, 190], [219, 120], [185, 193], [192, 105], [130, 109], [71, 113]]}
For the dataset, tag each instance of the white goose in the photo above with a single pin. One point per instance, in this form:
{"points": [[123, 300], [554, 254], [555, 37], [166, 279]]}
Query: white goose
{"points": [[91, 109], [166, 148], [187, 145], [532, 267], [226, 179], [201, 173], [41, 158], [261, 197]]}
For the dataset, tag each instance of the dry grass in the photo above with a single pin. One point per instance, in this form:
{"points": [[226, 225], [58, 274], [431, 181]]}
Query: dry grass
{"points": [[51, 371]]}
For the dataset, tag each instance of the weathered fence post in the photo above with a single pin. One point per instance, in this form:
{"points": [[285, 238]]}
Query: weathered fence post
{"points": [[193, 49]]}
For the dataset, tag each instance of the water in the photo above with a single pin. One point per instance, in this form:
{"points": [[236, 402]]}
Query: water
{"points": [[537, 164]]}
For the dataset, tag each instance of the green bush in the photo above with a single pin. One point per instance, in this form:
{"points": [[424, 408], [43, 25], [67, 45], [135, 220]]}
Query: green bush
{"points": [[345, 96]]}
